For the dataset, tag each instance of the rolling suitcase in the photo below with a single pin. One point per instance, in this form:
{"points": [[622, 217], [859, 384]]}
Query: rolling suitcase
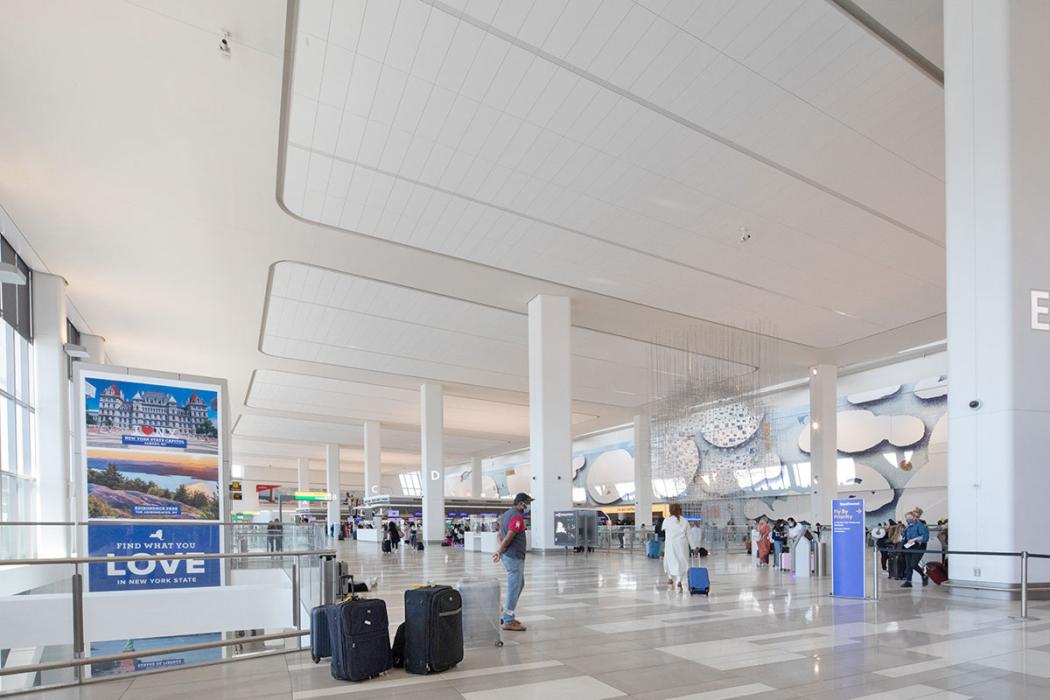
{"points": [[433, 629], [481, 611], [652, 549], [360, 639], [386, 546], [937, 572], [786, 561], [699, 582], [320, 633]]}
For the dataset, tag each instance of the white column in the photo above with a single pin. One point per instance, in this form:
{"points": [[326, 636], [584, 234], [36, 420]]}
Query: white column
{"points": [[331, 466], [643, 472], [52, 412], [475, 477], [96, 348], [304, 474], [373, 467], [823, 411], [997, 59], [432, 469], [550, 413]]}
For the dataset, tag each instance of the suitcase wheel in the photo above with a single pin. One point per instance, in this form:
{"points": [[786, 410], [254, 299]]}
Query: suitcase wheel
{"points": [[499, 642]]}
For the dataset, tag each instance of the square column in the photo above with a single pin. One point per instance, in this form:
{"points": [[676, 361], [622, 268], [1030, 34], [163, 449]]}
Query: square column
{"points": [[997, 59], [331, 467], [52, 413], [475, 477], [432, 415], [550, 413], [823, 436], [303, 473], [373, 467], [643, 473]]}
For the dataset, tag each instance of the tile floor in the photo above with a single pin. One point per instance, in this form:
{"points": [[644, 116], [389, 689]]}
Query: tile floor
{"points": [[604, 626]]}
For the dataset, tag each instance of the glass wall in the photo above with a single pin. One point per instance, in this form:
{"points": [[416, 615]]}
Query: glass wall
{"points": [[18, 477]]}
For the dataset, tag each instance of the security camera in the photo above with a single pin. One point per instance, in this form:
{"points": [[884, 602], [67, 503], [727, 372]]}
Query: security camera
{"points": [[975, 404], [224, 42], [745, 235]]}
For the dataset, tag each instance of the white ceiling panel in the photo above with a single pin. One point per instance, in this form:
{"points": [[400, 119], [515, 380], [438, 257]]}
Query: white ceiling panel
{"points": [[501, 147], [335, 318], [284, 391], [283, 429]]}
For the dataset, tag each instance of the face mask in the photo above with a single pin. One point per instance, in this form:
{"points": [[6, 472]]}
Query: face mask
{"points": [[527, 511]]}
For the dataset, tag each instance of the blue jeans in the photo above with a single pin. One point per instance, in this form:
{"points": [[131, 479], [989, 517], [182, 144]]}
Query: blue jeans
{"points": [[515, 583], [777, 547]]}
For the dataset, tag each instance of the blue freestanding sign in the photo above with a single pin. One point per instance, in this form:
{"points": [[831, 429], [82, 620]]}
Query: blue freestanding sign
{"points": [[847, 543]]}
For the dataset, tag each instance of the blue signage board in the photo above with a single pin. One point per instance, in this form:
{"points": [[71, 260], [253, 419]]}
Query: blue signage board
{"points": [[152, 441], [151, 539], [847, 543]]}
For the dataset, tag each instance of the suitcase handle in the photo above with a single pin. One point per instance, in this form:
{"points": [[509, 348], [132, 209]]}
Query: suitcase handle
{"points": [[447, 613]]}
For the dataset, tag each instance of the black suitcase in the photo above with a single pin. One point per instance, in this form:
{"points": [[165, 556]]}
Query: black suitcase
{"points": [[360, 640], [433, 629], [386, 546], [397, 649], [419, 546], [320, 633]]}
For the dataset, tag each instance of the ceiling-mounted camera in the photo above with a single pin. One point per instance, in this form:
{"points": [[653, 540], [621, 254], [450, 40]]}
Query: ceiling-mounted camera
{"points": [[745, 234], [224, 41]]}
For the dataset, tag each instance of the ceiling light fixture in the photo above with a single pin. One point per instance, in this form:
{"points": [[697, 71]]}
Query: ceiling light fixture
{"points": [[927, 346], [10, 274]]}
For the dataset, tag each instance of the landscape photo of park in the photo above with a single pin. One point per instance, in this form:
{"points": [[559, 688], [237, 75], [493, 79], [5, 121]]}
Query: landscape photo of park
{"points": [[125, 484], [132, 415]]}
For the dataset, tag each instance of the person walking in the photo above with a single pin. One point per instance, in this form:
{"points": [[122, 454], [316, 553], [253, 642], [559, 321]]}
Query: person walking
{"points": [[764, 542], [676, 546], [778, 537], [395, 535], [915, 537], [511, 552]]}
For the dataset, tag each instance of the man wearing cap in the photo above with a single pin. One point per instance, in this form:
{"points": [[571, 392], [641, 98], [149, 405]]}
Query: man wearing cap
{"points": [[511, 551]]}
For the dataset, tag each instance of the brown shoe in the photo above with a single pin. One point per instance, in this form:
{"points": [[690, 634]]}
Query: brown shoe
{"points": [[513, 626]]}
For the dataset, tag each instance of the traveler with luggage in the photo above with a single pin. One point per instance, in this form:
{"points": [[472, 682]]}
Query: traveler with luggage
{"points": [[915, 537], [412, 533], [511, 552], [695, 535], [676, 546], [778, 536], [395, 534], [764, 543]]}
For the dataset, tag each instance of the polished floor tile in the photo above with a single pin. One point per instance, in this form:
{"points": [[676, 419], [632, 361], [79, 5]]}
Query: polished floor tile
{"points": [[608, 626]]}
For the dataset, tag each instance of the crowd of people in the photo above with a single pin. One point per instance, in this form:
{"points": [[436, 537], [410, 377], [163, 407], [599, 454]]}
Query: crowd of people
{"points": [[778, 538], [903, 546]]}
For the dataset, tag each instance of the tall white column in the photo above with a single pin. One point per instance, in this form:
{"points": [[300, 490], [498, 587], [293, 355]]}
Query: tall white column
{"points": [[643, 472], [432, 428], [997, 153], [303, 469], [331, 466], [52, 412], [550, 413], [475, 477], [373, 467], [96, 348], [823, 411]]}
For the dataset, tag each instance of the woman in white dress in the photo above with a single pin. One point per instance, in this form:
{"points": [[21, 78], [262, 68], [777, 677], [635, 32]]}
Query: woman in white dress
{"points": [[695, 535], [676, 546]]}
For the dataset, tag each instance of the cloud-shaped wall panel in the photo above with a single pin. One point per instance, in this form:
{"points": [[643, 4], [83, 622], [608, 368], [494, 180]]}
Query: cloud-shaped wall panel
{"points": [[611, 476], [861, 430], [932, 387], [874, 395]]}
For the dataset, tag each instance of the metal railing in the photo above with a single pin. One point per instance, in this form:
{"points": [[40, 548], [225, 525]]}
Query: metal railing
{"points": [[1024, 556], [79, 660]]}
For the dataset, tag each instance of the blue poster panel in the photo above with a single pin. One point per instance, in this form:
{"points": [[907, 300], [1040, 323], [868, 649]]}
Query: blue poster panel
{"points": [[152, 663], [847, 542], [150, 540]]}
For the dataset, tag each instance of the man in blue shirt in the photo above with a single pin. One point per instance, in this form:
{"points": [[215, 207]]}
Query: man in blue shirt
{"points": [[914, 540], [511, 551]]}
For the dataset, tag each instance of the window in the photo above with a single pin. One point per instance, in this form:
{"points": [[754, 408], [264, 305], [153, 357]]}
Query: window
{"points": [[410, 484], [18, 484]]}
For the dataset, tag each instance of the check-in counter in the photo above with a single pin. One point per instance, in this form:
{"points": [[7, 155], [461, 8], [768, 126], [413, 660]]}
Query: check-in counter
{"points": [[472, 541], [490, 541], [365, 534]]}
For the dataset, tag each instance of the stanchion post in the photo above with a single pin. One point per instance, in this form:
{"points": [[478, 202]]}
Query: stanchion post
{"points": [[78, 621], [296, 606], [1024, 585], [875, 573]]}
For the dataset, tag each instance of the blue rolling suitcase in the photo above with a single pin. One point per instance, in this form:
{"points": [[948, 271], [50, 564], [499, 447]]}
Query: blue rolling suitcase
{"points": [[652, 549], [699, 582], [320, 632]]}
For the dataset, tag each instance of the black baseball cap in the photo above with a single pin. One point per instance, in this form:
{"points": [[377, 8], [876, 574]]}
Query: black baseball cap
{"points": [[523, 498]]}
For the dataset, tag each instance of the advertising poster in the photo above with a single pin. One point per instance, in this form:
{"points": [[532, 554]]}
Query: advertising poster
{"points": [[150, 540], [151, 450], [847, 544], [150, 663]]}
